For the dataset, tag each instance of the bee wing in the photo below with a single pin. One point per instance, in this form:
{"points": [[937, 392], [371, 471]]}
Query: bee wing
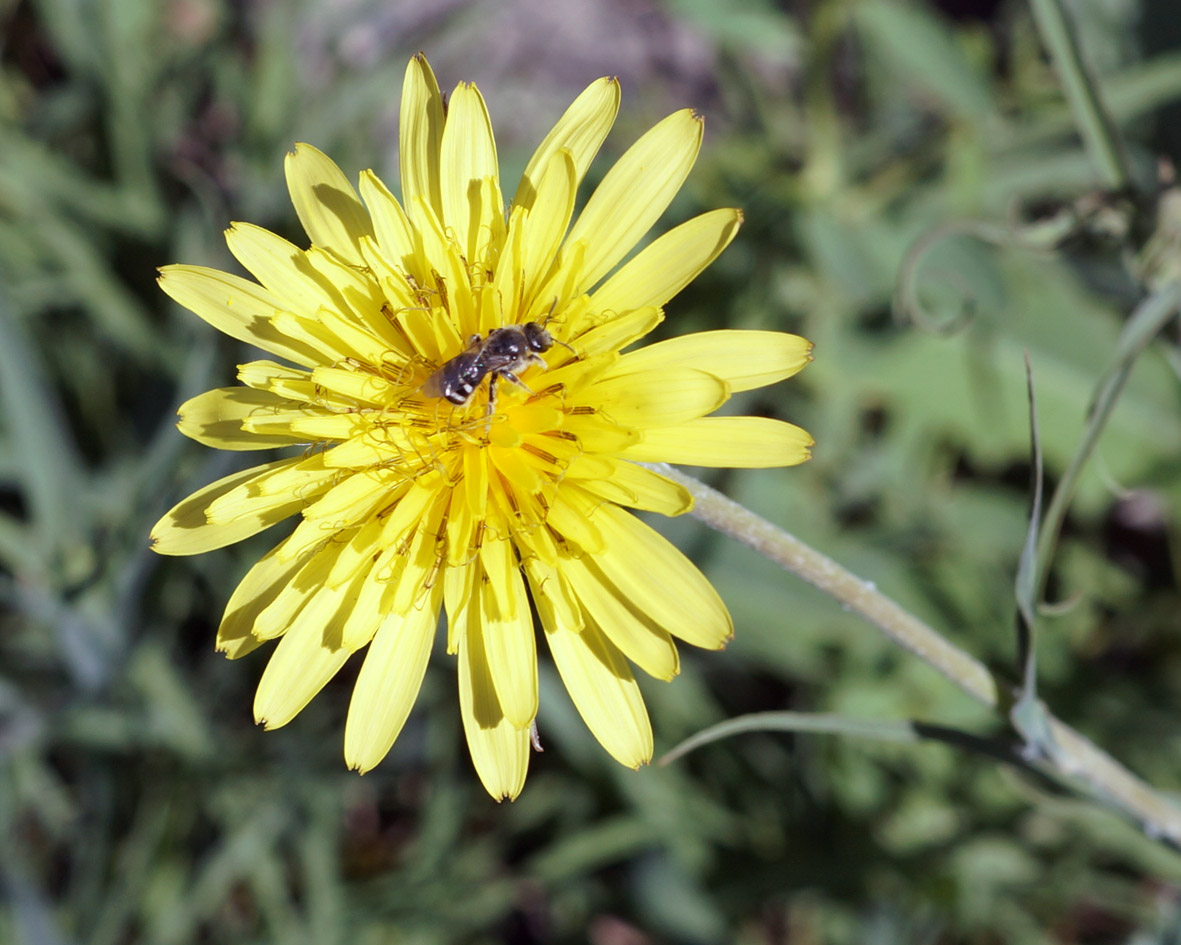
{"points": [[433, 385]]}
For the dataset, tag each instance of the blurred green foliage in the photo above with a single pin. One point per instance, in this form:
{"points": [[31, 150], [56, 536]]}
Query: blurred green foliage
{"points": [[138, 803]]}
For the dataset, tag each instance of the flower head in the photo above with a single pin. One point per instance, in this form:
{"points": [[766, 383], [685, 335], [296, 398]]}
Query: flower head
{"points": [[470, 433]]}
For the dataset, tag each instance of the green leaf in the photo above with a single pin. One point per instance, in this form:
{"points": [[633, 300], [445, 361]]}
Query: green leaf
{"points": [[919, 47]]}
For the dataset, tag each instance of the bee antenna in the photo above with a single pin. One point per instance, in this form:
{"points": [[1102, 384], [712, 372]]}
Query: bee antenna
{"points": [[546, 321]]}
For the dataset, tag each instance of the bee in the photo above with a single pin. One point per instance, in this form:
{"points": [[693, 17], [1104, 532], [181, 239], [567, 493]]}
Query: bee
{"points": [[502, 354]]}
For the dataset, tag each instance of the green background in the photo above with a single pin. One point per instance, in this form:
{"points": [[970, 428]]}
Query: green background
{"points": [[137, 801]]}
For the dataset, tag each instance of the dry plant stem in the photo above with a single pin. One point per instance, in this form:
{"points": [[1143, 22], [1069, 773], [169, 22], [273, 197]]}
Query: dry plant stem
{"points": [[1097, 128], [1072, 755]]}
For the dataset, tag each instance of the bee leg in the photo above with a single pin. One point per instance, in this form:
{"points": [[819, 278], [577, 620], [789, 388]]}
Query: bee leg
{"points": [[510, 376], [491, 409]]}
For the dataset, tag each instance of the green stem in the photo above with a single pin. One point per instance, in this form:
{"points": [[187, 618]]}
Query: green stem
{"points": [[1154, 310], [1098, 131], [1073, 758]]}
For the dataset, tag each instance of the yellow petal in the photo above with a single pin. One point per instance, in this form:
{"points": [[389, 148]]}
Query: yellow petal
{"points": [[388, 685], [641, 641], [420, 134], [422, 562], [263, 500], [393, 273], [254, 593], [744, 359], [296, 595], [306, 476], [307, 330], [349, 502], [371, 606], [288, 382], [668, 588], [391, 227], [499, 749], [581, 130], [634, 193], [510, 646], [570, 516], [298, 669], [354, 290], [509, 275], [636, 487], [362, 545], [617, 332], [486, 238], [238, 307], [458, 590], [185, 530], [319, 425], [669, 263], [500, 597], [556, 604], [468, 156], [475, 481], [215, 419], [737, 442], [530, 255], [356, 386], [523, 491], [595, 433], [416, 502], [657, 398], [326, 203], [281, 266], [604, 691]]}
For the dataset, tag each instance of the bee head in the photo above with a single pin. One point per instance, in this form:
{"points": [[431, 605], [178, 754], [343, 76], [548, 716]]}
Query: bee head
{"points": [[537, 337]]}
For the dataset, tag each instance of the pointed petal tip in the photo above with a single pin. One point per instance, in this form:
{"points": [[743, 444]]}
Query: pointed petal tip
{"points": [[501, 792], [690, 114], [158, 539], [301, 146]]}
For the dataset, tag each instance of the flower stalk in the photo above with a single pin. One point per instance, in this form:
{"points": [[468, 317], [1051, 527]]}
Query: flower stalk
{"points": [[1070, 756]]}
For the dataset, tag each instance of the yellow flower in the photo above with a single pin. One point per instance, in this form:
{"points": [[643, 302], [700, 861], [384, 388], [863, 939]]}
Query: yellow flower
{"points": [[416, 493]]}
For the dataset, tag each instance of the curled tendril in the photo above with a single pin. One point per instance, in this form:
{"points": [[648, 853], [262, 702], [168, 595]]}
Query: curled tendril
{"points": [[907, 304], [1091, 213]]}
